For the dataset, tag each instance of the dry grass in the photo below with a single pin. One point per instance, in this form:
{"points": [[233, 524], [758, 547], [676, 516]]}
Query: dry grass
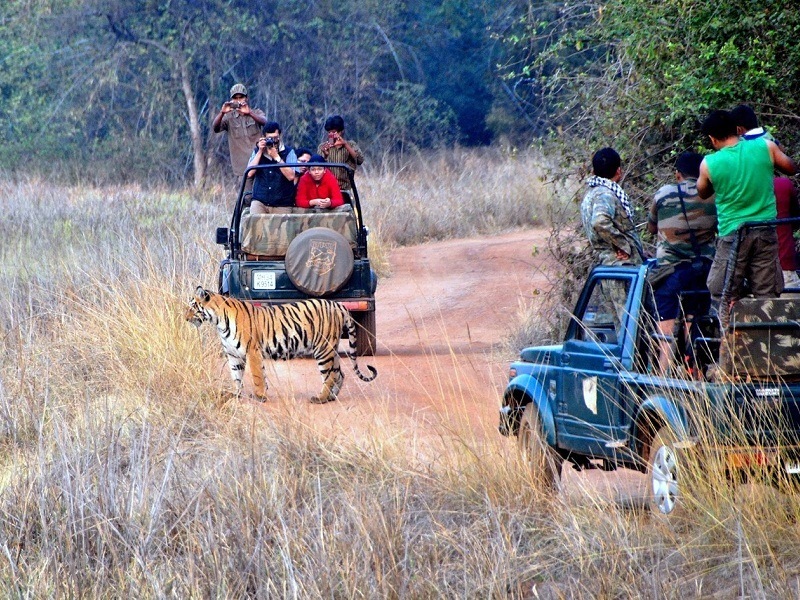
{"points": [[124, 474]]}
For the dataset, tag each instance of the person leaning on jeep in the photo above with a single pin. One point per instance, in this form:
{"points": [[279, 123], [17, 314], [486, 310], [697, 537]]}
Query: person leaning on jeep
{"points": [[243, 125], [607, 215], [272, 187]]}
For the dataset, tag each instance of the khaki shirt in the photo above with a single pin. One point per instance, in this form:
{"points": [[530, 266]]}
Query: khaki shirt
{"points": [[243, 135]]}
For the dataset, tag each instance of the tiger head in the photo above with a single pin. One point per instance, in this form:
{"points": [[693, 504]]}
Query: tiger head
{"points": [[196, 312]]}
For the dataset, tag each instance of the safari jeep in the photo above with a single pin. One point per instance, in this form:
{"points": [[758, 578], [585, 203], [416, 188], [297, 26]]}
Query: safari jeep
{"points": [[295, 253], [597, 400]]}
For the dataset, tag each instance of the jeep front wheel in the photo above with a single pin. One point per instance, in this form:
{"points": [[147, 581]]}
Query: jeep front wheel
{"points": [[663, 473], [543, 461]]}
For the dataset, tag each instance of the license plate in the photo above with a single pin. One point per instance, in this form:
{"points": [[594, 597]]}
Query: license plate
{"points": [[263, 280]]}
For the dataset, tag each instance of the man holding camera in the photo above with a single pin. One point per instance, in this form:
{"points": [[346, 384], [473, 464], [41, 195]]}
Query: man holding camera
{"points": [[337, 149], [272, 187], [243, 125]]}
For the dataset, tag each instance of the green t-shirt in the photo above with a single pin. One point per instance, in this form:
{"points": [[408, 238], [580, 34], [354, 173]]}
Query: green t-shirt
{"points": [[742, 178]]}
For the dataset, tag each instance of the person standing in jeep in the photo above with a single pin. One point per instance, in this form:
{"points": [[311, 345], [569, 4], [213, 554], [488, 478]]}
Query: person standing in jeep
{"points": [[243, 125], [741, 174], [607, 215], [337, 149], [272, 187]]}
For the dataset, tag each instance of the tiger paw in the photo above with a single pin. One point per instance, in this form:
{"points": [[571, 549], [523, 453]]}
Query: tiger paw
{"points": [[317, 400]]}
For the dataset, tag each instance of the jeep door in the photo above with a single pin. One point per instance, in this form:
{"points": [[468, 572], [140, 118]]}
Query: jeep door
{"points": [[591, 410]]}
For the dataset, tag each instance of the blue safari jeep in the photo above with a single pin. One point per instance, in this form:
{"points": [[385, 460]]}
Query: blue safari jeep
{"points": [[598, 399]]}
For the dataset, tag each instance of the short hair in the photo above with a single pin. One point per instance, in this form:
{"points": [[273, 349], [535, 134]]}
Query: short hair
{"points": [[688, 164], [334, 123], [744, 116], [605, 163], [317, 158], [300, 151], [719, 125], [270, 127]]}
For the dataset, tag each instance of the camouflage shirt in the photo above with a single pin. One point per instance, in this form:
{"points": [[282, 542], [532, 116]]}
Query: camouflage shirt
{"points": [[608, 227], [674, 242]]}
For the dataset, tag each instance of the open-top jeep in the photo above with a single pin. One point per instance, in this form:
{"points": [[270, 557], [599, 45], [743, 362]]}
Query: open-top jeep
{"points": [[598, 399], [293, 254]]}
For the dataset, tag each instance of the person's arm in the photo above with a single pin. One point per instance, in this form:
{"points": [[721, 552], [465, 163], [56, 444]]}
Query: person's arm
{"points": [[354, 151], [254, 113], [705, 188], [288, 172], [217, 124], [334, 191], [652, 218], [304, 188], [782, 162], [255, 158]]}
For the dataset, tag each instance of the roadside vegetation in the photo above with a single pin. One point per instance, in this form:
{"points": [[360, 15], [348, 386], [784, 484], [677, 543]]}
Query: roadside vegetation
{"points": [[125, 473]]}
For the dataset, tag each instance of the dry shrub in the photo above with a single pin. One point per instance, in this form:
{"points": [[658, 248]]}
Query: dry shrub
{"points": [[461, 193], [124, 474]]}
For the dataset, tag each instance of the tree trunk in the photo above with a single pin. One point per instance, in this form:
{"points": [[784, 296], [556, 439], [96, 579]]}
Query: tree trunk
{"points": [[199, 158]]}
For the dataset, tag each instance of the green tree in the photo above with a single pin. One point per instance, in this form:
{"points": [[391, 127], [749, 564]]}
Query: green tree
{"points": [[642, 73]]}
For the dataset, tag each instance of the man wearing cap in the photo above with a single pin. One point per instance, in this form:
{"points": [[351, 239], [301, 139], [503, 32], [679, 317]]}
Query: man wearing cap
{"points": [[243, 125], [685, 226]]}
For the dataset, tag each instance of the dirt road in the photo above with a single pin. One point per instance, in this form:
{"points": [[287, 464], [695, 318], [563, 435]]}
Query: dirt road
{"points": [[440, 319]]}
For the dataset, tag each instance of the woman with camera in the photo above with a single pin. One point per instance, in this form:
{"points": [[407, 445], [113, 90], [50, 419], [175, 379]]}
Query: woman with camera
{"points": [[272, 187]]}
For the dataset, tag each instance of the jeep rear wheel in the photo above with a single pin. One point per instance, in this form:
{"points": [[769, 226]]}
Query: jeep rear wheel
{"points": [[543, 461]]}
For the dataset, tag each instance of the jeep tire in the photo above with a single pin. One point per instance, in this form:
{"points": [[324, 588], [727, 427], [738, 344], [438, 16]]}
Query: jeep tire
{"points": [[543, 461]]}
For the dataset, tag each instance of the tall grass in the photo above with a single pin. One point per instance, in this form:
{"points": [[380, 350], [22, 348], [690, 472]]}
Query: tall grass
{"points": [[126, 474]]}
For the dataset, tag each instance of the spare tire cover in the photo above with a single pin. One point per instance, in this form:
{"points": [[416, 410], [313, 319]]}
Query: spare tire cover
{"points": [[319, 261]]}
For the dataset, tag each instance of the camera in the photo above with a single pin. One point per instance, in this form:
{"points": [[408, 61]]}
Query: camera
{"points": [[270, 142], [234, 104]]}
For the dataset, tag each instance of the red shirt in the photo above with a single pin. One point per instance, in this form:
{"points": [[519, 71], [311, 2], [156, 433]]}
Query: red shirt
{"points": [[327, 187], [786, 200]]}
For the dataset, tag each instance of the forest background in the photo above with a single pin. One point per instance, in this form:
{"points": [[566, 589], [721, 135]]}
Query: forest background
{"points": [[91, 85]]}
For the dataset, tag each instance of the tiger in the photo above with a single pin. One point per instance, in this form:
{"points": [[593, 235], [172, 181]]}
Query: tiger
{"points": [[255, 333]]}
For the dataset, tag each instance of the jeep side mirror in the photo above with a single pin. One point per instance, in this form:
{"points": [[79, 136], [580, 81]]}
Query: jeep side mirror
{"points": [[222, 236]]}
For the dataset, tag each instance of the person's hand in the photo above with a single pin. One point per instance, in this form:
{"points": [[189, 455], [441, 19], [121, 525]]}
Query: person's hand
{"points": [[338, 141], [272, 152], [226, 108], [262, 144], [325, 148], [622, 255], [244, 108]]}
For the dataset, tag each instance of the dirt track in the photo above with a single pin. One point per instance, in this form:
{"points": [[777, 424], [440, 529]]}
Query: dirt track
{"points": [[440, 317]]}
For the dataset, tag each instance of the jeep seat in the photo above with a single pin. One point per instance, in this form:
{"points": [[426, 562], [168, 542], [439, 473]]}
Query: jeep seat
{"points": [[764, 338], [269, 235]]}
